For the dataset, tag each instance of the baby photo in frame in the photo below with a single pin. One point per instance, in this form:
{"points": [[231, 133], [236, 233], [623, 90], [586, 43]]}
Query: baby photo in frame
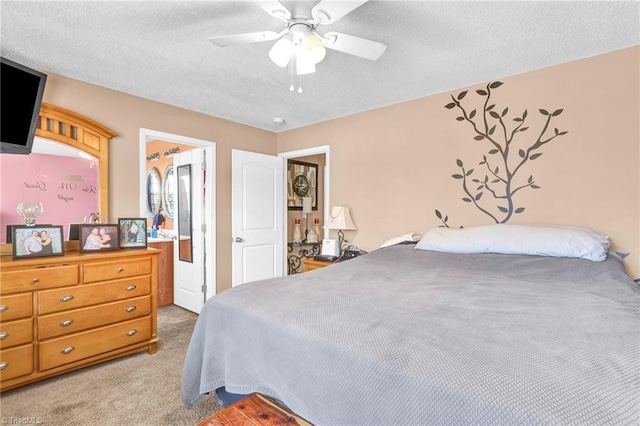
{"points": [[133, 232], [37, 241], [98, 237]]}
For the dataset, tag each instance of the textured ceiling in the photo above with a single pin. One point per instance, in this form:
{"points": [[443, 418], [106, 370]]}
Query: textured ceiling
{"points": [[160, 50]]}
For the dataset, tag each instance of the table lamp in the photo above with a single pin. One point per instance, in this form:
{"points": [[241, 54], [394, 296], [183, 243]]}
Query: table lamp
{"points": [[340, 219]]}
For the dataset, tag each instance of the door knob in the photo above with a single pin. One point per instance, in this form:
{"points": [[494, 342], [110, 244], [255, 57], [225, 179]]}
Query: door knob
{"points": [[239, 240]]}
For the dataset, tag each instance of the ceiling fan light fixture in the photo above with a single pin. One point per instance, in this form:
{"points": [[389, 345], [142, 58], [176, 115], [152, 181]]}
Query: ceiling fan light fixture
{"points": [[304, 64], [314, 48], [281, 52]]}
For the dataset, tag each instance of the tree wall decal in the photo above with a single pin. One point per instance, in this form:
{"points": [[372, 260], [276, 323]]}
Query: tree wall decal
{"points": [[499, 167]]}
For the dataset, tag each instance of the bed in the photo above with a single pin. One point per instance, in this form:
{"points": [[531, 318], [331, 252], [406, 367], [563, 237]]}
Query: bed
{"points": [[409, 336]]}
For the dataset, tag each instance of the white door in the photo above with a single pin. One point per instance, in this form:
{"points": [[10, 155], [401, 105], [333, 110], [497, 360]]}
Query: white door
{"points": [[257, 217], [189, 251]]}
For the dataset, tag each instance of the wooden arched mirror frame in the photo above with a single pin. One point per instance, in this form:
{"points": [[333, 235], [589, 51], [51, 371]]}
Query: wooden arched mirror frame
{"points": [[80, 132]]}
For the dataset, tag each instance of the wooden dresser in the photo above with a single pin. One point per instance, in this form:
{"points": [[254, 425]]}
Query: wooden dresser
{"points": [[62, 313]]}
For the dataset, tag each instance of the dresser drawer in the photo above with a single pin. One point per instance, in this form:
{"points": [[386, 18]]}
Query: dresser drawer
{"points": [[14, 333], [38, 278], [16, 306], [85, 318], [64, 350], [118, 269], [50, 301], [16, 362]]}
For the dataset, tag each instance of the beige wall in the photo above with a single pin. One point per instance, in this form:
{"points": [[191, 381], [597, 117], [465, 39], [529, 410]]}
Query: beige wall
{"points": [[126, 114], [393, 165]]}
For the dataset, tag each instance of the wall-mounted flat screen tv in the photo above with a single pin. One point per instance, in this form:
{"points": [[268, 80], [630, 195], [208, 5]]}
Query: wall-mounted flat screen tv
{"points": [[21, 90]]}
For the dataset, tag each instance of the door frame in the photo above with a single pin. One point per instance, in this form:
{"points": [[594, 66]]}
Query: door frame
{"points": [[210, 212], [323, 149]]}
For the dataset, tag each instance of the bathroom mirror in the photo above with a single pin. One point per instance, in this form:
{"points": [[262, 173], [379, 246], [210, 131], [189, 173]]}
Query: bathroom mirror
{"points": [[154, 195], [185, 248], [168, 191]]}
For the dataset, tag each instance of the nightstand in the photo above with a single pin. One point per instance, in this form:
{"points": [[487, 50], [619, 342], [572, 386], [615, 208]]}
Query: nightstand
{"points": [[311, 264]]}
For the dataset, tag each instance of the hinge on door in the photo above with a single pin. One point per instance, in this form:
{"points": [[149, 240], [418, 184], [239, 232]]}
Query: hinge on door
{"points": [[203, 166], [203, 288], [204, 227]]}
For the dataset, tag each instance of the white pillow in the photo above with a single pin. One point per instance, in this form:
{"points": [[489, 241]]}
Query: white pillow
{"points": [[410, 238], [557, 241]]}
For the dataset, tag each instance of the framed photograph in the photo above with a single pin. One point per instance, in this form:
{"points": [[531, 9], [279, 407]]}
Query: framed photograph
{"points": [[302, 181], [98, 237], [133, 232], [37, 241]]}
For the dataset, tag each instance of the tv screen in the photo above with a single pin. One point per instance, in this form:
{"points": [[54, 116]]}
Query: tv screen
{"points": [[21, 90]]}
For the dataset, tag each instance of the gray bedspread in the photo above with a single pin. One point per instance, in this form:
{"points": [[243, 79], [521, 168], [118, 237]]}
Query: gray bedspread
{"points": [[410, 337]]}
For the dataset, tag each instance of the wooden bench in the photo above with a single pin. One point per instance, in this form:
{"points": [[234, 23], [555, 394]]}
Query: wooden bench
{"points": [[255, 409]]}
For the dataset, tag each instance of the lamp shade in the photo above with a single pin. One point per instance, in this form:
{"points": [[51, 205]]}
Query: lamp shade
{"points": [[340, 219], [281, 52], [306, 205]]}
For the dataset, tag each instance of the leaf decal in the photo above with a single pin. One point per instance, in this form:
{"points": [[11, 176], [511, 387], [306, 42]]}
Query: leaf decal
{"points": [[491, 130], [494, 114], [535, 187], [504, 111], [479, 195], [495, 84], [519, 210], [490, 107], [544, 112], [563, 133], [503, 209], [460, 118], [472, 114], [475, 180], [523, 129], [518, 119], [534, 156], [469, 172], [495, 181], [493, 151], [481, 92], [524, 114], [521, 153], [457, 176], [449, 106], [466, 200], [462, 95], [530, 179], [556, 113], [478, 138], [459, 163], [479, 187], [438, 214]]}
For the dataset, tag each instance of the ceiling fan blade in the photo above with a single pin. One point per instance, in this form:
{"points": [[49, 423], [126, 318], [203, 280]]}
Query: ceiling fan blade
{"points": [[236, 39], [329, 11], [275, 9], [352, 45]]}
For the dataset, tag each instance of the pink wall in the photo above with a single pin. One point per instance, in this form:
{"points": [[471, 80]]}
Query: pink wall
{"points": [[67, 187]]}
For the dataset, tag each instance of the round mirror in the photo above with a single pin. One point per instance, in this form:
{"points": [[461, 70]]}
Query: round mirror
{"points": [[154, 195], [168, 191]]}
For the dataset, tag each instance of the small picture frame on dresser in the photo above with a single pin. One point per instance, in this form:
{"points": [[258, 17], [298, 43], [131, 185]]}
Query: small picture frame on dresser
{"points": [[37, 241], [98, 237], [133, 232]]}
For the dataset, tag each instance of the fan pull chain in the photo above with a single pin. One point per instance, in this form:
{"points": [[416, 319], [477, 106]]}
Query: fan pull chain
{"points": [[300, 84]]}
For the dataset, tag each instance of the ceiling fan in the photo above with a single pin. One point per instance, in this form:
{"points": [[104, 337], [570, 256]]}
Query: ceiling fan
{"points": [[300, 45]]}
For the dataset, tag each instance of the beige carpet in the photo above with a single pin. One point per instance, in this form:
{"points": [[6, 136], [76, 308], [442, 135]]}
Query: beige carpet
{"points": [[140, 389]]}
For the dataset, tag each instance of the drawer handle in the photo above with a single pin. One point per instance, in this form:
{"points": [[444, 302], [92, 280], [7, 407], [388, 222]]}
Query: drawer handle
{"points": [[3, 308], [35, 280], [4, 335], [67, 350], [130, 287], [3, 365], [132, 332], [120, 269], [66, 322], [130, 309], [66, 298]]}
